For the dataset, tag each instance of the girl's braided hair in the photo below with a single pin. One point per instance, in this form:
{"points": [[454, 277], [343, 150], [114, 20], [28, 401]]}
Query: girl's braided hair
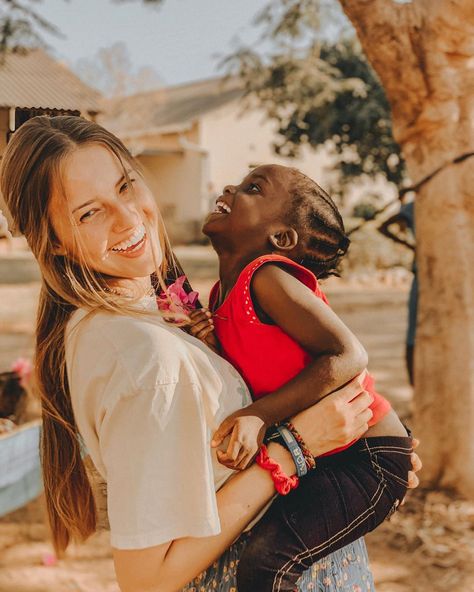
{"points": [[322, 237]]}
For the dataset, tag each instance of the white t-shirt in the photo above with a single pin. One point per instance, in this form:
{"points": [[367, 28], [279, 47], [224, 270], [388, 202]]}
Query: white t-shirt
{"points": [[147, 397]]}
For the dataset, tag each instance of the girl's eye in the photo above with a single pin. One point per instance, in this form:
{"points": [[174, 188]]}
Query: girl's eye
{"points": [[254, 188]]}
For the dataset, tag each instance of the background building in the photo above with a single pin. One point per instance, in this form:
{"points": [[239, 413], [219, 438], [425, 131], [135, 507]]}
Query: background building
{"points": [[32, 83], [192, 139]]}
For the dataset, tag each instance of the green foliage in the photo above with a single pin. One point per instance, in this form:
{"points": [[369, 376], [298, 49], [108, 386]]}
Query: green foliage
{"points": [[365, 210], [21, 26], [320, 91]]}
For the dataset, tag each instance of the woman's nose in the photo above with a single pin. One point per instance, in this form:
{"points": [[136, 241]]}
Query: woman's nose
{"points": [[126, 216]]}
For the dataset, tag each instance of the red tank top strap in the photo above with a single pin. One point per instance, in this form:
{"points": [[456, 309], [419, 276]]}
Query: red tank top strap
{"points": [[305, 276], [214, 293], [241, 295]]}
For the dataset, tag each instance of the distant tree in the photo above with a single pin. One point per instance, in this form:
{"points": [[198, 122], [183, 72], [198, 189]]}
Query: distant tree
{"points": [[111, 72], [318, 90], [21, 26], [364, 209], [326, 93]]}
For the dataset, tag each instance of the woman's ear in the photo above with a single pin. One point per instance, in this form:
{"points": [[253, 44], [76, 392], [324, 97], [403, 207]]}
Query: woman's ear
{"points": [[58, 249], [284, 240]]}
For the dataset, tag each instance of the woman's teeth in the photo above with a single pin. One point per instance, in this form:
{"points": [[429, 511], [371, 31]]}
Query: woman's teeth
{"points": [[132, 243], [222, 208]]}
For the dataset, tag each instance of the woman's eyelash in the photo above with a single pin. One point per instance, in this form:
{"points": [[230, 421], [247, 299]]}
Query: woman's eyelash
{"points": [[254, 185], [87, 215]]}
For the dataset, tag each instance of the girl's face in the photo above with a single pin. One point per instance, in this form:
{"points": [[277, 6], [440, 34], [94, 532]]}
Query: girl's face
{"points": [[100, 215], [255, 208]]}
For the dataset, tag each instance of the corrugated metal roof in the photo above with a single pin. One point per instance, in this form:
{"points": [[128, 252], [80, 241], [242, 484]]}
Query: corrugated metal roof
{"points": [[36, 80], [168, 107]]}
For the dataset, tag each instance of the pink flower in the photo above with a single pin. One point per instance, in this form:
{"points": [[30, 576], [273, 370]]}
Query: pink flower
{"points": [[49, 559], [177, 299], [23, 368]]}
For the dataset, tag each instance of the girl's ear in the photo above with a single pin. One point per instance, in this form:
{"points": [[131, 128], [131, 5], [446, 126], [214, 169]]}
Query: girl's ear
{"points": [[284, 240]]}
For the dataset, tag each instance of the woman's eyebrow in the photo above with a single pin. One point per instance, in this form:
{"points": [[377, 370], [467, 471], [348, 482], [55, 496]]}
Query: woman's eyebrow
{"points": [[86, 203], [90, 201]]}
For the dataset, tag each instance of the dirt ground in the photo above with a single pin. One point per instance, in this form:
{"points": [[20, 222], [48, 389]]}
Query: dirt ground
{"points": [[427, 547]]}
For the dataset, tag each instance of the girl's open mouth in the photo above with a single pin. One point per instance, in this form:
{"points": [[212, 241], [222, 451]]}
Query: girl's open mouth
{"points": [[222, 208]]}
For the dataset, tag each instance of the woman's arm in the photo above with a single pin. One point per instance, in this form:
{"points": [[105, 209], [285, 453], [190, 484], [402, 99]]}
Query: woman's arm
{"points": [[337, 420]]}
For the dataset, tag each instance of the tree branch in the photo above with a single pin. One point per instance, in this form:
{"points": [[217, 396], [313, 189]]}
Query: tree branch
{"points": [[368, 15]]}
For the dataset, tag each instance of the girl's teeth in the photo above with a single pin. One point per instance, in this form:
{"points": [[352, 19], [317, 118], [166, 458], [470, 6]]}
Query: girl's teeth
{"points": [[222, 207]]}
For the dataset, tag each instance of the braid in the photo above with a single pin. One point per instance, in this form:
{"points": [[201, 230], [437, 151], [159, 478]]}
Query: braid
{"points": [[323, 240]]}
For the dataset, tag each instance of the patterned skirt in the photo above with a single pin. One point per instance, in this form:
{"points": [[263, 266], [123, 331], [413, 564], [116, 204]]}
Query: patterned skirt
{"points": [[346, 570]]}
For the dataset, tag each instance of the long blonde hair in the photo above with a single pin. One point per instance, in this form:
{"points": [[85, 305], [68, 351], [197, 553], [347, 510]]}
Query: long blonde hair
{"points": [[29, 173]]}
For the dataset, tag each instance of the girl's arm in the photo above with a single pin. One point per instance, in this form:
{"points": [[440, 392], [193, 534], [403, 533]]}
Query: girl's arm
{"points": [[168, 567], [338, 354]]}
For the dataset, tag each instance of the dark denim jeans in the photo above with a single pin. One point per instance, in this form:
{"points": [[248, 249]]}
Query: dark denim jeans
{"points": [[346, 496]]}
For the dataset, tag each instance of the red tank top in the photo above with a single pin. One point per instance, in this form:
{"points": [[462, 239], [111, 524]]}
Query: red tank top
{"points": [[264, 354]]}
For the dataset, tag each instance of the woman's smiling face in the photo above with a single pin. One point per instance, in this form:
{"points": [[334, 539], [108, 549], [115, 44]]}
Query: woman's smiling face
{"points": [[97, 213]]}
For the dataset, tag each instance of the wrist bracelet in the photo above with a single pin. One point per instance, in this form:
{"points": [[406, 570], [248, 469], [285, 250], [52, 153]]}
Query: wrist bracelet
{"points": [[283, 483], [309, 458], [295, 450]]}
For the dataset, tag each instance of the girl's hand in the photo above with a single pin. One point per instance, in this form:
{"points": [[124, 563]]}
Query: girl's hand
{"points": [[337, 420], [247, 432], [416, 465], [202, 327]]}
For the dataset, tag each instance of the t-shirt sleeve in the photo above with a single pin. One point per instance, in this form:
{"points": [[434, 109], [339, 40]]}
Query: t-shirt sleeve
{"points": [[156, 453], [143, 411]]}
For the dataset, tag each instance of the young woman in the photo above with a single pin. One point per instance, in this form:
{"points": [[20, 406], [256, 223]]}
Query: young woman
{"points": [[143, 395]]}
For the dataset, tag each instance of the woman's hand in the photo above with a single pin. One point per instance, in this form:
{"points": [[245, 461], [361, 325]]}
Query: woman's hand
{"points": [[337, 420]]}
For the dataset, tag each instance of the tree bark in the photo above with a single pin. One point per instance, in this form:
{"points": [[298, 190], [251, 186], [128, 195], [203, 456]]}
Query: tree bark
{"points": [[423, 53]]}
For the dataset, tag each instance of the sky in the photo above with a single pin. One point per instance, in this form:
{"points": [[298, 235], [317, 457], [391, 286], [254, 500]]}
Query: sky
{"points": [[181, 39]]}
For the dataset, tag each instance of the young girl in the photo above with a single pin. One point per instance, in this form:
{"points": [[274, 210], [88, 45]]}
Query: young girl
{"points": [[276, 234]]}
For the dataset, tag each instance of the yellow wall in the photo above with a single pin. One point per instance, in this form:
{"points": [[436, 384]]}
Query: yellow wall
{"points": [[176, 182]]}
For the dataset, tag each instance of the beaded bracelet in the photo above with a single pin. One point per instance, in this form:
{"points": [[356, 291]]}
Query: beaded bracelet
{"points": [[309, 458], [283, 483]]}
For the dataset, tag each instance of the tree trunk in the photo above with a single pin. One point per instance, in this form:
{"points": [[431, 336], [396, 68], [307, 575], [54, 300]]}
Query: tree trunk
{"points": [[423, 53]]}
